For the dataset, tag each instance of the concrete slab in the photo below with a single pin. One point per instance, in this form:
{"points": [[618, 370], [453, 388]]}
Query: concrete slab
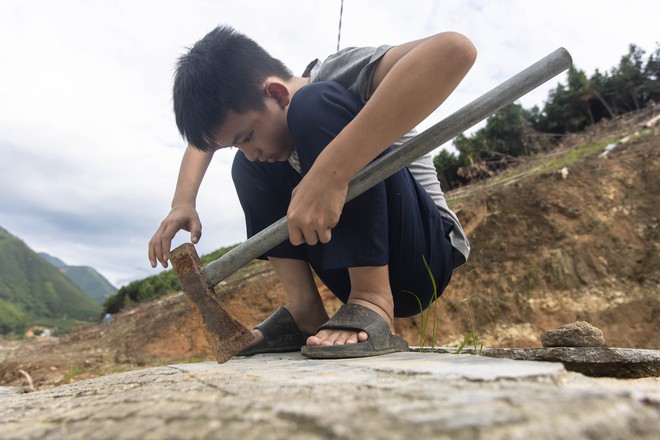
{"points": [[442, 367], [425, 395], [631, 363], [13, 390]]}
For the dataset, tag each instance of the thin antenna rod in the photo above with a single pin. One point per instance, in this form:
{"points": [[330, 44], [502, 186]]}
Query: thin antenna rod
{"points": [[341, 14]]}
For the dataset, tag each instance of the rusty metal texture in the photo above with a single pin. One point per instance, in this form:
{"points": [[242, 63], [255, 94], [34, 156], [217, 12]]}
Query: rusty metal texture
{"points": [[226, 335]]}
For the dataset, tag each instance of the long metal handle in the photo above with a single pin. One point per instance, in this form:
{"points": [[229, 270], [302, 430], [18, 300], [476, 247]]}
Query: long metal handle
{"points": [[380, 169]]}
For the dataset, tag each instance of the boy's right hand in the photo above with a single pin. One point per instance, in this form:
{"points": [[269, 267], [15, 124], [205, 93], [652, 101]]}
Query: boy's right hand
{"points": [[179, 218]]}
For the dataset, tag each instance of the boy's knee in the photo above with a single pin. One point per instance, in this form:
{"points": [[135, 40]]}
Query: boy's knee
{"points": [[461, 48], [318, 103]]}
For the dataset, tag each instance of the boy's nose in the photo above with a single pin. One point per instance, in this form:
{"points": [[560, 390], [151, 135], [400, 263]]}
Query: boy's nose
{"points": [[251, 154]]}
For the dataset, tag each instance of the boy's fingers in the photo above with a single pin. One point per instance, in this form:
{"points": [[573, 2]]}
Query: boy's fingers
{"points": [[325, 235], [154, 249], [296, 236], [195, 232], [152, 255], [166, 243], [163, 252], [311, 237], [161, 243], [159, 252]]}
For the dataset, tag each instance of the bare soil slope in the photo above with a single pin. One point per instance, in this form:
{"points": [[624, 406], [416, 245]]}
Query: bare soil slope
{"points": [[547, 251]]}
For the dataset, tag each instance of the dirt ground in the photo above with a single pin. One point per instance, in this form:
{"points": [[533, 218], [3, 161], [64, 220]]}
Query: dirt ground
{"points": [[546, 251]]}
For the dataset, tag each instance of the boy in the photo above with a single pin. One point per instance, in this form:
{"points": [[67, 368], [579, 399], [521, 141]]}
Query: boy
{"points": [[301, 140]]}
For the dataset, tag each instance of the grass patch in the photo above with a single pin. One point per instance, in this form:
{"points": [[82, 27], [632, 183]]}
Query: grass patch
{"points": [[572, 155], [3, 363], [454, 202], [72, 372], [425, 312], [425, 316], [120, 368], [193, 359], [472, 335]]}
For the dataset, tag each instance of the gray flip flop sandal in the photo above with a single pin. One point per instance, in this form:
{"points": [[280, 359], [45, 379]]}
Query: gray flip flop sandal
{"points": [[358, 318], [281, 335]]}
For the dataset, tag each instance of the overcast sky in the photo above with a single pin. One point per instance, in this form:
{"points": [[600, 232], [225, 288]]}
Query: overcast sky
{"points": [[89, 151]]}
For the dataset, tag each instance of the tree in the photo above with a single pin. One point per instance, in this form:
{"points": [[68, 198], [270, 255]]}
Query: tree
{"points": [[627, 81], [508, 132], [447, 165], [514, 131], [650, 90], [568, 107]]}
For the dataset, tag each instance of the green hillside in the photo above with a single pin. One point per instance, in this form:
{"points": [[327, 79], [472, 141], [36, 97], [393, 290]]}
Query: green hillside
{"points": [[86, 278], [53, 260], [36, 288]]}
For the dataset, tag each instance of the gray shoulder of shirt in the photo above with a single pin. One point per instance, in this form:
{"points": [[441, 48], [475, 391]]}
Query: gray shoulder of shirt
{"points": [[351, 67]]}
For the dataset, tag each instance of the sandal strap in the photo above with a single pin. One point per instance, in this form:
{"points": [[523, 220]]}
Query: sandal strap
{"points": [[281, 319], [281, 334]]}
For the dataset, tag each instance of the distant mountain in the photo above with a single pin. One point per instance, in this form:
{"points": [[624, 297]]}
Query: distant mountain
{"points": [[36, 288], [53, 260], [87, 278]]}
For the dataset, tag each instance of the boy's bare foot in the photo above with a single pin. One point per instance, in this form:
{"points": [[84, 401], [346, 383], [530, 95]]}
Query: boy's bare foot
{"points": [[306, 320], [304, 302], [370, 287], [340, 337]]}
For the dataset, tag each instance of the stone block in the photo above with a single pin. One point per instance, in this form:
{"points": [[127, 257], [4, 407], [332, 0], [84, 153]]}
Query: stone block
{"points": [[577, 334]]}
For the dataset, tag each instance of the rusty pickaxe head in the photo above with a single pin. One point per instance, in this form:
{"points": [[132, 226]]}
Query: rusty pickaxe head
{"points": [[225, 334]]}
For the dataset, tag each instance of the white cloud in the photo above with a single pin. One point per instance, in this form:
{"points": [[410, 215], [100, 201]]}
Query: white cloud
{"points": [[89, 151]]}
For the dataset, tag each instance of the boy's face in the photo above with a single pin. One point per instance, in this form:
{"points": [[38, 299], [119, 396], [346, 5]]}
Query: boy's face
{"points": [[260, 135]]}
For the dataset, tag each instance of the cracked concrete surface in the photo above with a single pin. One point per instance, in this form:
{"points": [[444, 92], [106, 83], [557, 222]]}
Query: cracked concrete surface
{"points": [[426, 395]]}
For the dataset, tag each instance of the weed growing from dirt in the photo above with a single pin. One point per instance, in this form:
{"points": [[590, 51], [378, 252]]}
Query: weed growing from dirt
{"points": [[72, 371], [425, 312], [3, 364], [472, 335]]}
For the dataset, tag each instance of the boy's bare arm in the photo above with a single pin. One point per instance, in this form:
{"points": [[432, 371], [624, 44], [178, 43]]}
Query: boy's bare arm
{"points": [[410, 82], [183, 214]]}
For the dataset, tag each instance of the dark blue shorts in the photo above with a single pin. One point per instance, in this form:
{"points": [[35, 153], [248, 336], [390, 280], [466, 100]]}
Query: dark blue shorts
{"points": [[394, 223]]}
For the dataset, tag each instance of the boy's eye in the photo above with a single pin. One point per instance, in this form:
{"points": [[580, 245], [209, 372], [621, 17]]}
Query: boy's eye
{"points": [[249, 137]]}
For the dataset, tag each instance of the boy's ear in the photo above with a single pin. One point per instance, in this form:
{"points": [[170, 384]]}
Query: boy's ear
{"points": [[279, 91]]}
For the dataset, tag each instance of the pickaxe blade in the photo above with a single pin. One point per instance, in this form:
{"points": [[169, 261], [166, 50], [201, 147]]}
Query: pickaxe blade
{"points": [[226, 335]]}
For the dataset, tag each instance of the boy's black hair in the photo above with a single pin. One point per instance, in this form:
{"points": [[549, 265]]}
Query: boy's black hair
{"points": [[223, 71]]}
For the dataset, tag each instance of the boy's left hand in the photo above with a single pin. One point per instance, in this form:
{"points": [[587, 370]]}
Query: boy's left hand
{"points": [[315, 208]]}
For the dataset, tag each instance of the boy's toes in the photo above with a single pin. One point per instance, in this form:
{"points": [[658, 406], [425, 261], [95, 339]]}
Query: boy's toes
{"points": [[337, 337], [314, 340], [328, 337], [319, 339], [346, 339]]}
